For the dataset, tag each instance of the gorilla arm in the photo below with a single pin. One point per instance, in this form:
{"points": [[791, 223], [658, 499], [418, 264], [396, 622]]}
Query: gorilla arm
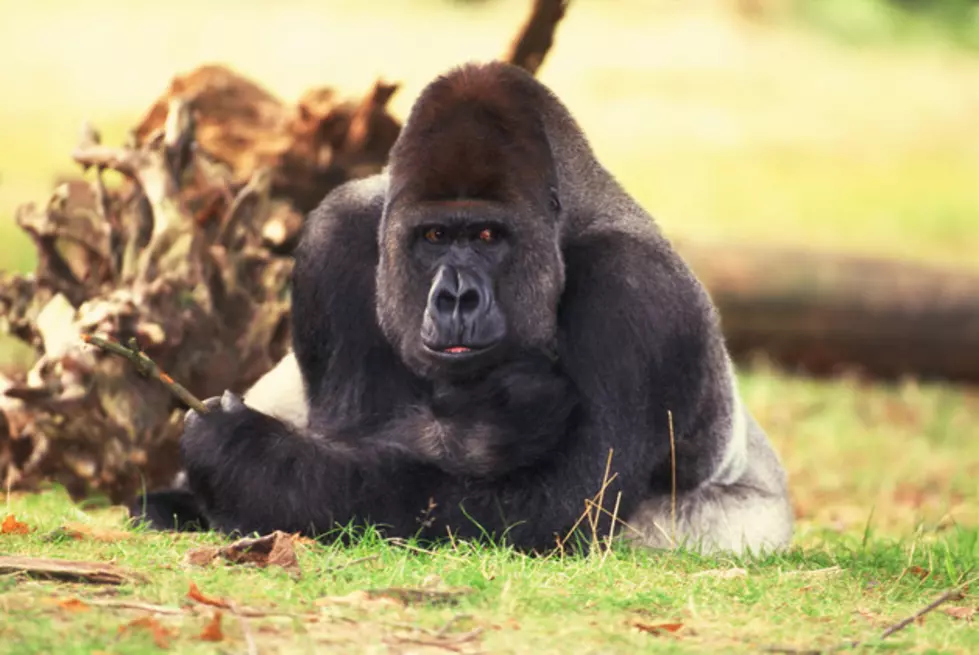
{"points": [[252, 472], [650, 357]]}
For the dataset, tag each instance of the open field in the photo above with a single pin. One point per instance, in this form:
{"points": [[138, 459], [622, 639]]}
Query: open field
{"points": [[726, 131]]}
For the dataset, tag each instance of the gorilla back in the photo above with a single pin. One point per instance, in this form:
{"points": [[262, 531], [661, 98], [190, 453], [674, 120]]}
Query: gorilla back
{"points": [[477, 332]]}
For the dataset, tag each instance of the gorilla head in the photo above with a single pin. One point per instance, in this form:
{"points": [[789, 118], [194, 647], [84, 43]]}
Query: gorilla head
{"points": [[470, 268]]}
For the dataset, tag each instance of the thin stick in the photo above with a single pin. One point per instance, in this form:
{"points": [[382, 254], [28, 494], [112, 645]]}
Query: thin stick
{"points": [[246, 628], [147, 367], [669, 415], [600, 498], [361, 560], [133, 605], [951, 594], [611, 530]]}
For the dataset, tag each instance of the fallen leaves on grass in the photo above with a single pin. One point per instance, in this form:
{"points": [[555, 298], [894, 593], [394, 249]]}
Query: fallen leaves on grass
{"points": [[870, 616], [920, 572], [11, 525], [961, 613], [212, 631], [80, 531], [161, 635], [657, 629], [275, 549], [74, 605], [397, 597], [195, 594], [68, 570]]}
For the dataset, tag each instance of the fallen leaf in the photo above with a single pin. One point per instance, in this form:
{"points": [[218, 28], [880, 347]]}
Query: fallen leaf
{"points": [[275, 549], [68, 570], [397, 597], [360, 598], [870, 616], [920, 572], [12, 526], [212, 631], [161, 636], [195, 594], [657, 628], [722, 574], [74, 605], [297, 538], [963, 613], [202, 556]]}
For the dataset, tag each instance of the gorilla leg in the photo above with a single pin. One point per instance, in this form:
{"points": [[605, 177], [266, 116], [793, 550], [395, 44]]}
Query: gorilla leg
{"points": [[752, 513]]}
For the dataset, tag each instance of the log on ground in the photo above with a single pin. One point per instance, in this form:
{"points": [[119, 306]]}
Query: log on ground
{"points": [[824, 313]]}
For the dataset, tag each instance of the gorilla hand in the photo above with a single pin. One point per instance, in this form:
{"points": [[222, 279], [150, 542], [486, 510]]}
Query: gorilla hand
{"points": [[215, 444]]}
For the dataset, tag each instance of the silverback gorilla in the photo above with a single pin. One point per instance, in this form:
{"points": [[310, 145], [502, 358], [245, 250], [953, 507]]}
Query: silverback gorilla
{"points": [[474, 331]]}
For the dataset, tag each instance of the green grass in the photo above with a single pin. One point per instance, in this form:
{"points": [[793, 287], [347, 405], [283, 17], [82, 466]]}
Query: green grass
{"points": [[883, 482], [873, 22], [726, 132], [521, 604]]}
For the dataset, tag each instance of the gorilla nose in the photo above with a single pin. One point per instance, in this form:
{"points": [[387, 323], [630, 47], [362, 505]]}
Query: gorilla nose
{"points": [[461, 313], [458, 297]]}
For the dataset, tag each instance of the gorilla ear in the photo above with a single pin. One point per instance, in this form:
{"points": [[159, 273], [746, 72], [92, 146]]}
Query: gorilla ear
{"points": [[555, 200]]}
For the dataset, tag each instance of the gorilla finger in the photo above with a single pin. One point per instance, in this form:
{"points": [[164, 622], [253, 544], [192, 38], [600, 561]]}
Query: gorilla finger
{"points": [[231, 402]]}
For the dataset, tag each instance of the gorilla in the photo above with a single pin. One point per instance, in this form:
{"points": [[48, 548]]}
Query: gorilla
{"points": [[480, 331]]}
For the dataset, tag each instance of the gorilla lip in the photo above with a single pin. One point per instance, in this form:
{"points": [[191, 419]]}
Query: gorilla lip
{"points": [[457, 352]]}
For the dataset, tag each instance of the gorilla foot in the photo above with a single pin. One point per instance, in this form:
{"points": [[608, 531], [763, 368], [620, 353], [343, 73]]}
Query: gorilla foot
{"points": [[172, 509]]}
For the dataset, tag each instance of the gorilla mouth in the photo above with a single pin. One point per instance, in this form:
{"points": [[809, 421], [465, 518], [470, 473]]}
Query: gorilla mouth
{"points": [[457, 352]]}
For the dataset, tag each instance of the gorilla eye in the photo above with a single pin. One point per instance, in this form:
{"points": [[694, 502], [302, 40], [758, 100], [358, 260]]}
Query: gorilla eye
{"points": [[489, 235], [434, 235]]}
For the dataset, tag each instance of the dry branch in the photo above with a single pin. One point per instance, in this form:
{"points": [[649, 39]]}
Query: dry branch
{"points": [[537, 36], [68, 570], [148, 368]]}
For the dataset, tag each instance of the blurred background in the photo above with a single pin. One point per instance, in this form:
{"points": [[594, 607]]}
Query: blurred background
{"points": [[846, 126]]}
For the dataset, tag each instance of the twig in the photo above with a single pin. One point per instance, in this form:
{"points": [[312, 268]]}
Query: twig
{"points": [[951, 594], [954, 593], [611, 530], [246, 628], [537, 36], [69, 570], [347, 565], [134, 605], [147, 367], [600, 496], [669, 416]]}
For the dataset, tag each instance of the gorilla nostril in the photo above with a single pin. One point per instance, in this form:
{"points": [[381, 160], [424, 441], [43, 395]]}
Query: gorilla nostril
{"points": [[445, 302], [469, 301]]}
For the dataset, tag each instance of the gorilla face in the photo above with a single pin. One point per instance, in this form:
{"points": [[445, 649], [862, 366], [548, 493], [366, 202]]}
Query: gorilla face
{"points": [[462, 255], [461, 287], [470, 269]]}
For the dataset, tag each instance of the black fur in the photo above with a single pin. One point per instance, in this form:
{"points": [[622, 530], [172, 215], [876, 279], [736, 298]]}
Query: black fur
{"points": [[609, 336]]}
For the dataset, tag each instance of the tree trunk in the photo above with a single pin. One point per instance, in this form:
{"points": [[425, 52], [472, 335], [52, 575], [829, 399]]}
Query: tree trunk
{"points": [[821, 313]]}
